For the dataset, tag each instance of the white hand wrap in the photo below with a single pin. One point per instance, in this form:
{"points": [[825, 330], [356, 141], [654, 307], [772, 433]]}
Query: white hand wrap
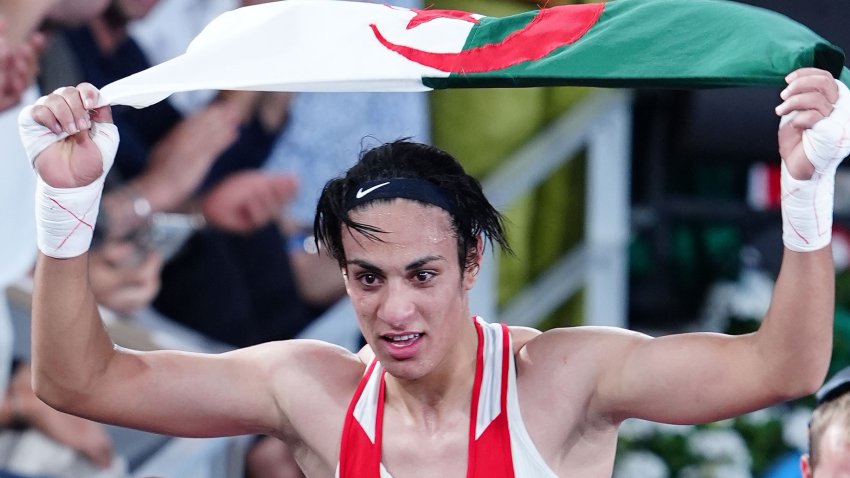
{"points": [[65, 217], [807, 204]]}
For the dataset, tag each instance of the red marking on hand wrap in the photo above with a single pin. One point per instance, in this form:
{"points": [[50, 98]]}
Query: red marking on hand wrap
{"points": [[80, 221], [790, 223]]}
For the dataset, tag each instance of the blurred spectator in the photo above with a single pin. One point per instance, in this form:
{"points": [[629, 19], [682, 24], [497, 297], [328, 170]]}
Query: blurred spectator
{"points": [[206, 160], [829, 431], [22, 37], [124, 278], [20, 44], [25, 26], [22, 409], [234, 286]]}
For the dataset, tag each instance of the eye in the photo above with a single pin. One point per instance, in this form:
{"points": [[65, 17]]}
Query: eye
{"points": [[423, 276], [367, 278]]}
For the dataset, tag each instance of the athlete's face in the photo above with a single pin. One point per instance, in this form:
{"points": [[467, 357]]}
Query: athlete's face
{"points": [[833, 455], [407, 290]]}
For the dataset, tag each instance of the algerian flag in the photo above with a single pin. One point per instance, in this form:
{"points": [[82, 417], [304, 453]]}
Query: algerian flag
{"points": [[332, 45]]}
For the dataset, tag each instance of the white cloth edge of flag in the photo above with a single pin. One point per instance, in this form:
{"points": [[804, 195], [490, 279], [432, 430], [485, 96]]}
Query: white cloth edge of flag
{"points": [[297, 45]]}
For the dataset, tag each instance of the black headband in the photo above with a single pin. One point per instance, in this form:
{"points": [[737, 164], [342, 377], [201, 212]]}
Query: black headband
{"points": [[407, 188]]}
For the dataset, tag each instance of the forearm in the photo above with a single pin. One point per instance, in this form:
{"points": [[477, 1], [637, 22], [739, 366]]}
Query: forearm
{"points": [[795, 339], [71, 348], [794, 342]]}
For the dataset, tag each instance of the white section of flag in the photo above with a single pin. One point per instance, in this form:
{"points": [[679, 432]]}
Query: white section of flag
{"points": [[298, 45]]}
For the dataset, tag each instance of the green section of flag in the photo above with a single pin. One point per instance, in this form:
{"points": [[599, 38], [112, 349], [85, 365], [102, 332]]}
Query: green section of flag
{"points": [[663, 43]]}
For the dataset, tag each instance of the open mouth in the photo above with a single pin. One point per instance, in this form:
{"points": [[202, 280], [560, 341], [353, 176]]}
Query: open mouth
{"points": [[402, 340]]}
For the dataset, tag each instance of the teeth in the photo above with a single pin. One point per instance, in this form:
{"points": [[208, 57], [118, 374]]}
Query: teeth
{"points": [[402, 338]]}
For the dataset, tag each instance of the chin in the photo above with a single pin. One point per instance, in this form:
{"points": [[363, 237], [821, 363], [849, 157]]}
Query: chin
{"points": [[409, 370]]}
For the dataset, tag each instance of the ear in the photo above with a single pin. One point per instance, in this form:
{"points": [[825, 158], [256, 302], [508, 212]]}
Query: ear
{"points": [[806, 466], [471, 272]]}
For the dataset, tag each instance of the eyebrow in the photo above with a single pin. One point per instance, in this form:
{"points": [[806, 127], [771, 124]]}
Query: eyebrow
{"points": [[421, 262], [412, 266], [364, 265]]}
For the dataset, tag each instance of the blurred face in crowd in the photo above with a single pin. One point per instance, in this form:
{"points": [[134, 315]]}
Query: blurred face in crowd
{"points": [[76, 12], [832, 455], [133, 9]]}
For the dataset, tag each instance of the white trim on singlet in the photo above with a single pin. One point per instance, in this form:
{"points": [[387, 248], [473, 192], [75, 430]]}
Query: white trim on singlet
{"points": [[366, 410], [527, 459], [490, 394]]}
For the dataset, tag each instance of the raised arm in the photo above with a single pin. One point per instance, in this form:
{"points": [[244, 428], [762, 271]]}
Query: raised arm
{"points": [[76, 367], [701, 377]]}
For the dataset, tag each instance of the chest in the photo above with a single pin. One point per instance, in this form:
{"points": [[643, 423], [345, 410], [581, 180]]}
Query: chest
{"points": [[472, 440], [411, 450]]}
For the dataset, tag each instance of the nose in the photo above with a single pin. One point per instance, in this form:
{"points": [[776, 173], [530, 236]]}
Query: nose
{"points": [[397, 305]]}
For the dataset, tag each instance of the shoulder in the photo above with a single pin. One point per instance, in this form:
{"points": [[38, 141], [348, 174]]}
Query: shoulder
{"points": [[521, 336], [567, 363], [366, 355], [578, 339], [573, 360], [302, 369], [560, 350], [305, 357], [311, 381]]}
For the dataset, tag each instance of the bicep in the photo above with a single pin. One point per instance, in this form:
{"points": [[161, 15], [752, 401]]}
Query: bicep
{"points": [[685, 378], [201, 395]]}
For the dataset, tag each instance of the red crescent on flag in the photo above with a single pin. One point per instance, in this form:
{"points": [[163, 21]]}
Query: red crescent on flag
{"points": [[550, 29]]}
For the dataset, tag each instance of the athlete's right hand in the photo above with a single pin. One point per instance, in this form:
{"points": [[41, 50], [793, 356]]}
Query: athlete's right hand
{"points": [[71, 143], [66, 118]]}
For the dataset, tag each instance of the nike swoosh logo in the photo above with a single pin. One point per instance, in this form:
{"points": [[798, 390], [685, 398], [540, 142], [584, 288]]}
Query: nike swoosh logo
{"points": [[361, 193]]}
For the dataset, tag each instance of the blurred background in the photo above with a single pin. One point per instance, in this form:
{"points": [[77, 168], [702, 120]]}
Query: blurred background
{"points": [[655, 210]]}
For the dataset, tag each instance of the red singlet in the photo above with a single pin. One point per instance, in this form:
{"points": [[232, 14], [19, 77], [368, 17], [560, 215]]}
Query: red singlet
{"points": [[493, 403]]}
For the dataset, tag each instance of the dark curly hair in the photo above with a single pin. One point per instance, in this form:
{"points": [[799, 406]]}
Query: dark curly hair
{"points": [[471, 213]]}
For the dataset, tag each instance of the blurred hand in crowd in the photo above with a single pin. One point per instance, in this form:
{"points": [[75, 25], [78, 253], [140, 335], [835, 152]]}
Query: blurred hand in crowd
{"points": [[124, 275], [85, 436], [18, 65], [180, 161], [248, 200]]}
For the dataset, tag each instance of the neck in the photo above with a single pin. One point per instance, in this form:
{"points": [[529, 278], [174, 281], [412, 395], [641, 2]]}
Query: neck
{"points": [[444, 391]]}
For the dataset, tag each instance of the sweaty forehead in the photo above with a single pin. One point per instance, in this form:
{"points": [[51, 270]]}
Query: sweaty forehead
{"points": [[400, 208], [404, 222]]}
